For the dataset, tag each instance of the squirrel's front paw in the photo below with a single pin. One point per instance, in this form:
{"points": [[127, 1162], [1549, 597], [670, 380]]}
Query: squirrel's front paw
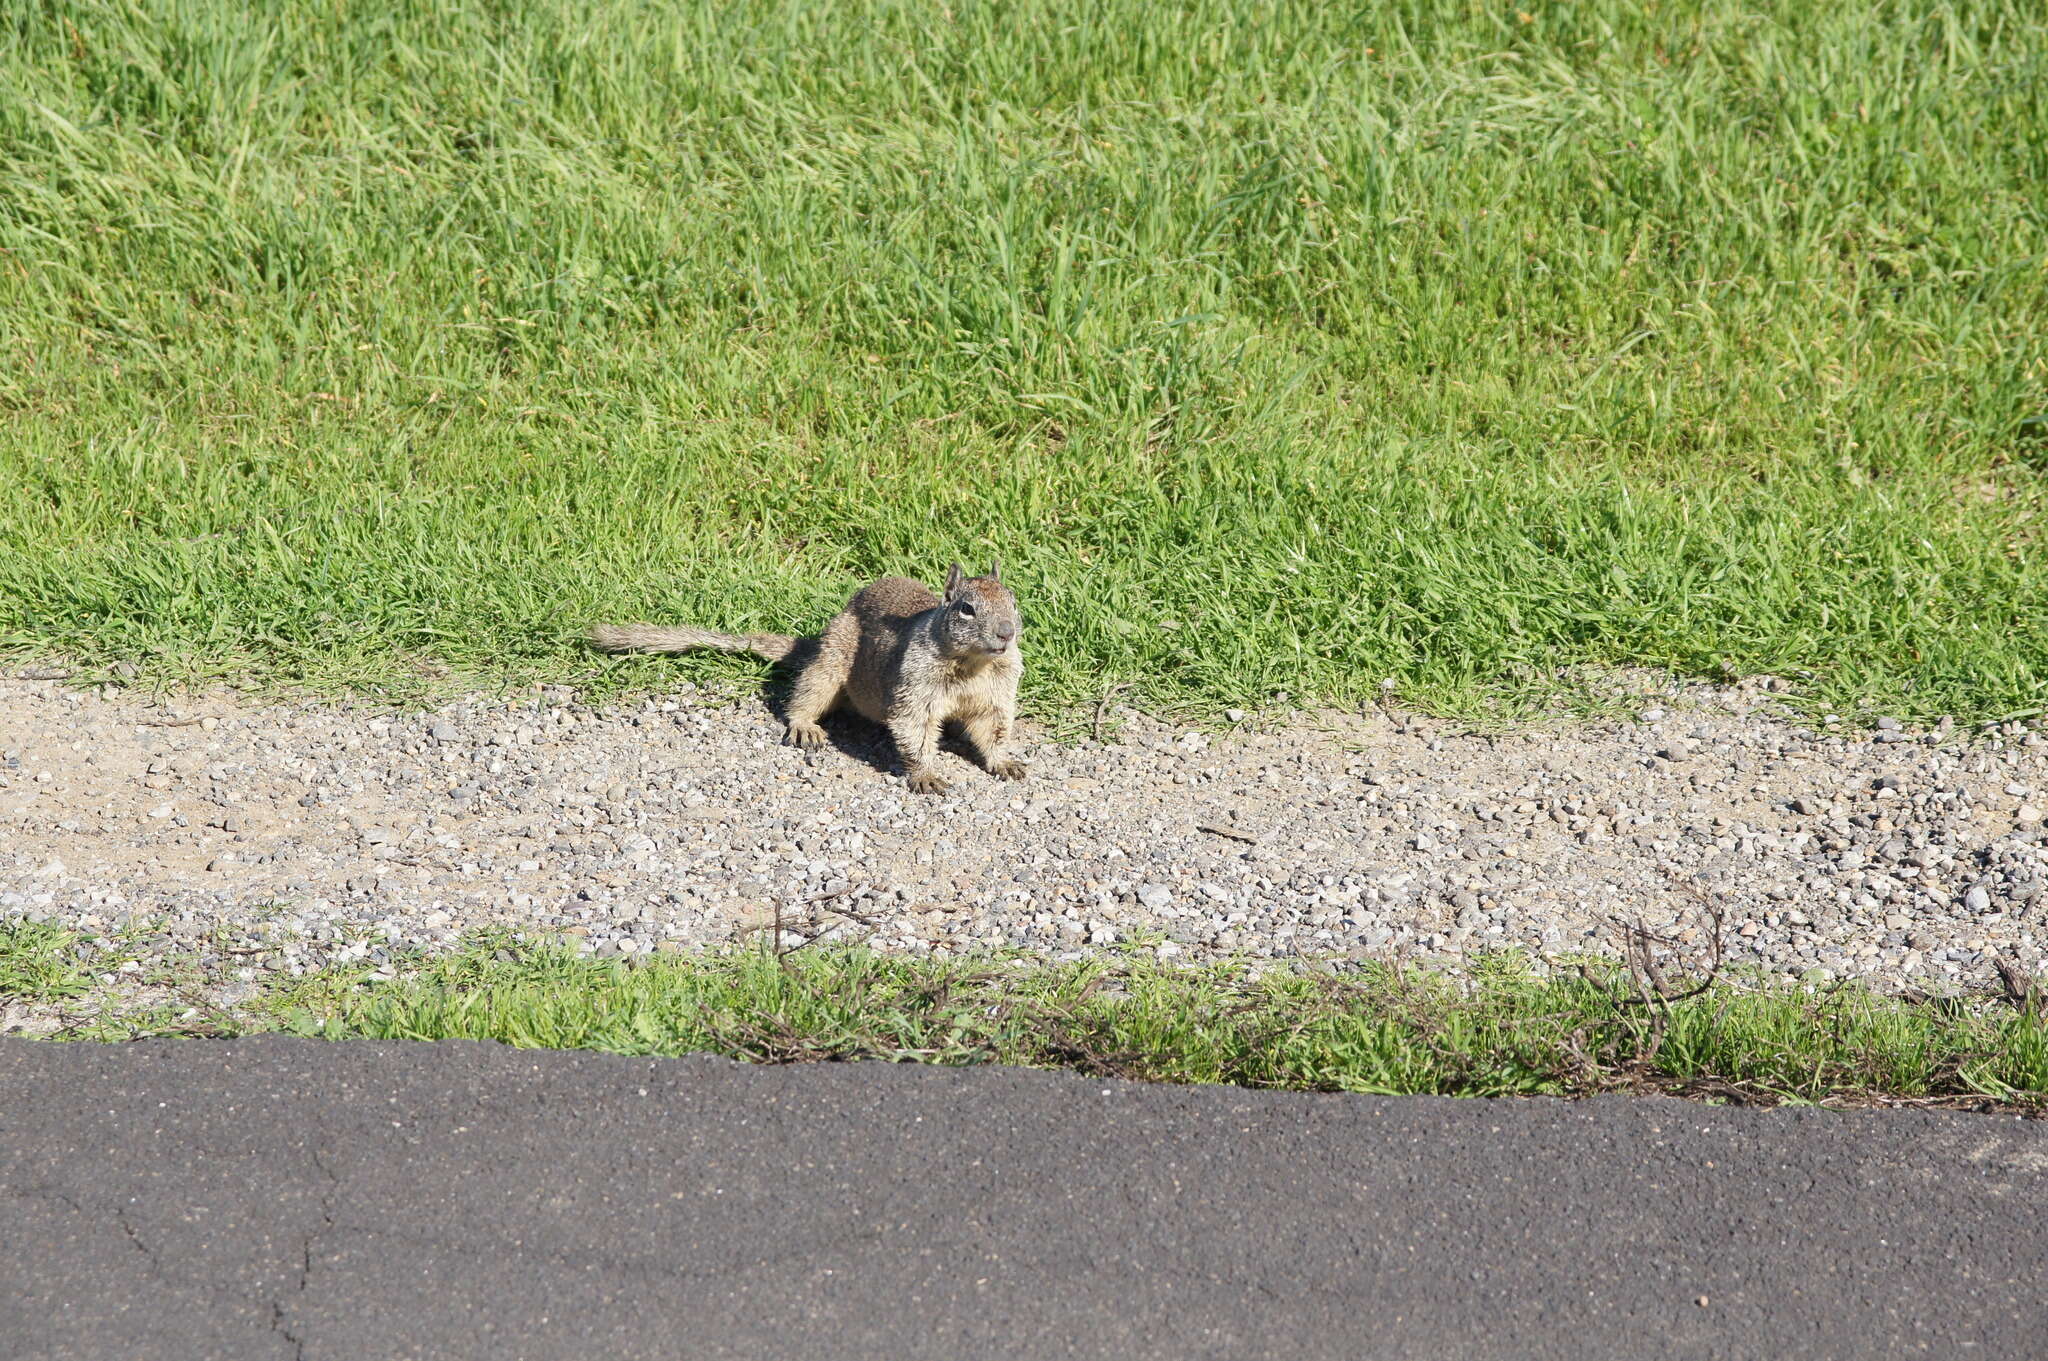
{"points": [[1007, 769], [924, 782], [805, 735]]}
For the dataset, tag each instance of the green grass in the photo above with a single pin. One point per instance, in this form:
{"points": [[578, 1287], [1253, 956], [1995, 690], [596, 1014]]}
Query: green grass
{"points": [[1506, 1031], [38, 963], [1275, 347]]}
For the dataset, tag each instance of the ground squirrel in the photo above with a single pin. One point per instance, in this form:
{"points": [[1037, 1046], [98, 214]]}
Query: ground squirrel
{"points": [[897, 654]]}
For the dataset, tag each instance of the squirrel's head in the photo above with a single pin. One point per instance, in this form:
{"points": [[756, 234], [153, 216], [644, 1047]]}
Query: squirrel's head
{"points": [[979, 616]]}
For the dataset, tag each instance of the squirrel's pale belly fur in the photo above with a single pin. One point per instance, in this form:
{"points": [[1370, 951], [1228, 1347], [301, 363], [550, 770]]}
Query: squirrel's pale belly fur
{"points": [[898, 654]]}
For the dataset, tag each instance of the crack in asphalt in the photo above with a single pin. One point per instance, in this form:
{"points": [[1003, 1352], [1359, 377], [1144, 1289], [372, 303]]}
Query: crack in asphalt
{"points": [[135, 1240], [83, 1210], [327, 1204], [859, 1211]]}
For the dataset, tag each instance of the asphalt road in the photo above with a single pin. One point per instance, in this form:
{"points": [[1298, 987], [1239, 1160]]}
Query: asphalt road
{"points": [[297, 1199]]}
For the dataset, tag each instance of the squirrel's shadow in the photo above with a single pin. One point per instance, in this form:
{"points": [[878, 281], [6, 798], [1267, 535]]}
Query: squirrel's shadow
{"points": [[849, 733]]}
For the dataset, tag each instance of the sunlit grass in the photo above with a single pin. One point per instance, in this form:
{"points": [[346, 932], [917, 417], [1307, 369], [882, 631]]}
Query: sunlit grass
{"points": [[1274, 348], [1506, 1031]]}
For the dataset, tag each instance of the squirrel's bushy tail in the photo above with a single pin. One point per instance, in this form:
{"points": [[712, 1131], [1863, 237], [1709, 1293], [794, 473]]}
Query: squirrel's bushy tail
{"points": [[682, 638]]}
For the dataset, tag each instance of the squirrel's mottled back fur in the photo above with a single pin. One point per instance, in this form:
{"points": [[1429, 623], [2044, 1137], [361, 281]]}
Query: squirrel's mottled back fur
{"points": [[898, 654]]}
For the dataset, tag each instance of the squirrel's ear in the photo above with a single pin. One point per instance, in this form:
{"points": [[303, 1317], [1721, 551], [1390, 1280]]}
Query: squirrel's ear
{"points": [[955, 579], [995, 570]]}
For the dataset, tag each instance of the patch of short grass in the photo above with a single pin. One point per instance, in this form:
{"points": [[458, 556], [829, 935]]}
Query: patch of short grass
{"points": [[1505, 1031], [1276, 348], [38, 963]]}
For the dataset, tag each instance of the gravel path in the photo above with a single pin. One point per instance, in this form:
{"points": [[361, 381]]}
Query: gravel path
{"points": [[273, 839]]}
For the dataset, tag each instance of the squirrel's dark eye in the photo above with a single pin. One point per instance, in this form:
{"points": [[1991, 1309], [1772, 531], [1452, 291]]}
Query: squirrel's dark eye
{"points": [[965, 609]]}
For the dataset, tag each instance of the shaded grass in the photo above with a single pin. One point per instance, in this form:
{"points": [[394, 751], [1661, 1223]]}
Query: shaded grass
{"points": [[1504, 1032], [38, 963], [1275, 347]]}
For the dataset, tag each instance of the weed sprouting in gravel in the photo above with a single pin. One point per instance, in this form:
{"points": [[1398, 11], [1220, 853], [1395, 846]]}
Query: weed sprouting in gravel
{"points": [[39, 962]]}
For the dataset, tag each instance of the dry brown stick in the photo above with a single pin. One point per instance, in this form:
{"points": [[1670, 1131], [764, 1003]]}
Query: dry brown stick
{"points": [[1101, 705], [851, 891], [2022, 991]]}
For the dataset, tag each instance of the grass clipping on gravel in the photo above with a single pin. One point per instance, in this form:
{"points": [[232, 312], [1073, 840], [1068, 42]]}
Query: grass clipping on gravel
{"points": [[1504, 1031], [1272, 348]]}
